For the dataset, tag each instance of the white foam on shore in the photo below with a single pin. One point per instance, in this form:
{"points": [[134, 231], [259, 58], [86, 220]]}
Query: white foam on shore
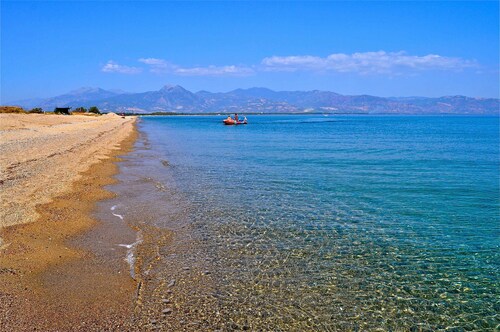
{"points": [[130, 257], [116, 215]]}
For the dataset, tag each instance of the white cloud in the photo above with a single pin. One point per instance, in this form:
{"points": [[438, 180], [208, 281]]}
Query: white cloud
{"points": [[160, 66], [381, 62], [215, 71], [152, 61], [365, 63], [113, 67]]}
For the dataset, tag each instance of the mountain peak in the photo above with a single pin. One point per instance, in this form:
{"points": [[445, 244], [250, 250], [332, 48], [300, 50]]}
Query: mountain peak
{"points": [[85, 89], [172, 87]]}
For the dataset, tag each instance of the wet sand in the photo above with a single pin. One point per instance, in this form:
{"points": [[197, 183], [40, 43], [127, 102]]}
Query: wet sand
{"points": [[53, 172]]}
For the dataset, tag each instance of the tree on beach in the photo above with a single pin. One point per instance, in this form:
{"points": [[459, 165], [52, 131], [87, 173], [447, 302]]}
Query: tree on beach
{"points": [[36, 110], [95, 110], [80, 110]]}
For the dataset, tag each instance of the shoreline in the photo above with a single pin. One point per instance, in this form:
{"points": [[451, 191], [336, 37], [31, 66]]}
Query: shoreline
{"points": [[48, 281]]}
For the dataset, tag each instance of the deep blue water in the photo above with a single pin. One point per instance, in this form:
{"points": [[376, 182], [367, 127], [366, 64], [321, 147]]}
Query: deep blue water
{"points": [[340, 222]]}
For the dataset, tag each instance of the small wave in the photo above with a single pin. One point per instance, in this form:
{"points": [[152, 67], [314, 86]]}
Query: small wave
{"points": [[115, 214], [130, 257]]}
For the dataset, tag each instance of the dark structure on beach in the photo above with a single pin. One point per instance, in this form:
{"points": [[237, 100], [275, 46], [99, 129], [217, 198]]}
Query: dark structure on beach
{"points": [[62, 110]]}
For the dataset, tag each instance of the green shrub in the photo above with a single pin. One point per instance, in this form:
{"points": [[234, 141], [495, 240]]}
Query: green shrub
{"points": [[37, 110], [80, 110], [95, 110]]}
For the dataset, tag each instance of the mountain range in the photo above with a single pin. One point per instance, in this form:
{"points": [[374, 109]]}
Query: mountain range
{"points": [[174, 98]]}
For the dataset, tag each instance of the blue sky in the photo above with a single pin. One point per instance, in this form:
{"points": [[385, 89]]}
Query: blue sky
{"points": [[379, 48]]}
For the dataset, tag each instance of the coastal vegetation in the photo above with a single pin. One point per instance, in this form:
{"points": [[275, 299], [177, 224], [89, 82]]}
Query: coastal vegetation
{"points": [[94, 110], [11, 109], [58, 110], [20, 110], [36, 110], [80, 110]]}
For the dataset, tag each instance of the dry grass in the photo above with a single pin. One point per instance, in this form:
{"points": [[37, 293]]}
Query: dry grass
{"points": [[20, 110], [11, 109]]}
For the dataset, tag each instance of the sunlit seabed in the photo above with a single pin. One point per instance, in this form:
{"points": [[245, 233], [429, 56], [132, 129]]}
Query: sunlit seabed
{"points": [[332, 223]]}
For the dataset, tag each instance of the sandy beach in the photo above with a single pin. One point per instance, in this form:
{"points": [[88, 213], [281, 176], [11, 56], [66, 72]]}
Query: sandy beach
{"points": [[53, 169], [42, 155]]}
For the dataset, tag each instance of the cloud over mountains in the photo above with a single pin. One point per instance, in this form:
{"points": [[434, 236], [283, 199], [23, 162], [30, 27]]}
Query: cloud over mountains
{"points": [[366, 63], [113, 67], [160, 66], [380, 62]]}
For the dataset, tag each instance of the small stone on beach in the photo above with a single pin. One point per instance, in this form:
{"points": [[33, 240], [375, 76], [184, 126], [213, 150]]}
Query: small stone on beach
{"points": [[166, 311], [171, 284]]}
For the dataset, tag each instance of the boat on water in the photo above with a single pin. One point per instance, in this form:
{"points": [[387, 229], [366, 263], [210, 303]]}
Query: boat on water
{"points": [[230, 121]]}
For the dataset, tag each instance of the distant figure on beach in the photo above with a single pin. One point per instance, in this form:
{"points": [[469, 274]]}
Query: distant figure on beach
{"points": [[236, 117]]}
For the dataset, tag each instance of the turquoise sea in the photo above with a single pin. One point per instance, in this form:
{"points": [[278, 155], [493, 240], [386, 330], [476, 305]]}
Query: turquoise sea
{"points": [[312, 222]]}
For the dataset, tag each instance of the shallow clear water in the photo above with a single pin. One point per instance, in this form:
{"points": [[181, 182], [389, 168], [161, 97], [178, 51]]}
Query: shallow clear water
{"points": [[331, 222]]}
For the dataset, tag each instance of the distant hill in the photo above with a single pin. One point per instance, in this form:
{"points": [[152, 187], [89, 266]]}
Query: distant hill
{"points": [[174, 98], [76, 98]]}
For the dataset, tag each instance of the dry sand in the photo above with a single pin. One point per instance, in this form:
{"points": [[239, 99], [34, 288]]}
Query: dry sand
{"points": [[50, 179], [42, 155]]}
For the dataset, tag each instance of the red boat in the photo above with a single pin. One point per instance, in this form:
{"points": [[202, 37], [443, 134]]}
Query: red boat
{"points": [[231, 121]]}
